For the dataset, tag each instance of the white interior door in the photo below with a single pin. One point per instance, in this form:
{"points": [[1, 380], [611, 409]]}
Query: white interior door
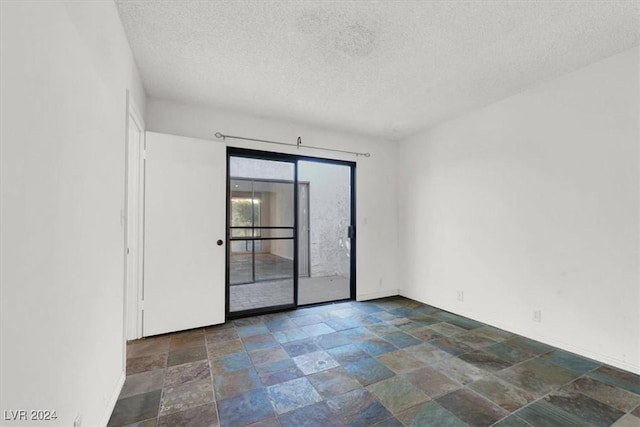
{"points": [[185, 200]]}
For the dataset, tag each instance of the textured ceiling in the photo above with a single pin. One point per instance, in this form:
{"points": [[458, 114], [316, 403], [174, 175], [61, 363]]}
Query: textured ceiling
{"points": [[386, 68]]}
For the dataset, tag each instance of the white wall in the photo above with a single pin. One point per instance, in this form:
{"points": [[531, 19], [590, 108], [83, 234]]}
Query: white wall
{"points": [[533, 203], [65, 71], [377, 244]]}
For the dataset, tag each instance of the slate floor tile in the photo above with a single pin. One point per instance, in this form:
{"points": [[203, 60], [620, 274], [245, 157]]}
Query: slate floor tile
{"points": [[494, 334], [331, 340], [187, 339], [452, 346], [628, 420], [143, 382], [357, 408], [529, 346], [317, 329], [299, 347], [397, 394], [472, 408], [235, 383], [317, 361], [289, 335], [135, 408], [293, 394], [584, 407], [148, 346], [460, 370], [617, 378], [571, 361], [279, 372], [230, 362], [613, 396], [315, 415], [537, 376], [204, 416], [249, 330], [186, 355], [368, 371], [432, 382], [542, 413], [310, 319], [425, 333], [358, 334], [485, 361], [151, 362], [185, 373], [389, 422], [245, 409], [376, 346], [382, 328], [512, 421], [267, 422], [333, 382], [447, 329], [185, 396], [401, 340], [400, 361], [427, 353], [267, 355], [506, 352], [429, 414], [465, 323], [475, 338], [342, 324], [223, 348], [255, 342], [347, 353], [281, 323], [504, 394], [218, 335]]}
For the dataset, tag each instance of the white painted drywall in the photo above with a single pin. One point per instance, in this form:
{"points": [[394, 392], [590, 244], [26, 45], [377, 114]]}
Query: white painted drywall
{"points": [[65, 71], [532, 203], [377, 244]]}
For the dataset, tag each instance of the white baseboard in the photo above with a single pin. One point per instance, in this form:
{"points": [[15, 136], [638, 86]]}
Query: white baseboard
{"points": [[114, 398], [379, 294]]}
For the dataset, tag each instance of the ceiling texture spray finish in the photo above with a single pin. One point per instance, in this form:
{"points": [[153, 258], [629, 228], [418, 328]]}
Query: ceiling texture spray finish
{"points": [[382, 68]]}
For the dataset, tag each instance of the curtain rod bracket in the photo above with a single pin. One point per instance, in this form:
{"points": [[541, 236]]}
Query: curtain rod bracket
{"points": [[298, 143]]}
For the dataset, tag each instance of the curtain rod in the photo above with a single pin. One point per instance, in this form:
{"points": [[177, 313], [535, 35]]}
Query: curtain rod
{"points": [[298, 144]]}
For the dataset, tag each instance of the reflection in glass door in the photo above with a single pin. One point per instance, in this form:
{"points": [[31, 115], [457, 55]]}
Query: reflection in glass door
{"points": [[261, 257]]}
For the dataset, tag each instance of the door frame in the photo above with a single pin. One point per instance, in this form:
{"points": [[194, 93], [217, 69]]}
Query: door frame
{"points": [[292, 158], [133, 222]]}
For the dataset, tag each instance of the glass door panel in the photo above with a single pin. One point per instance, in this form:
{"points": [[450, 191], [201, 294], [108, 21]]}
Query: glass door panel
{"points": [[327, 228], [261, 235]]}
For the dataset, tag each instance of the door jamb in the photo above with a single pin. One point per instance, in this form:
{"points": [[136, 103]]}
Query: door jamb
{"points": [[134, 190]]}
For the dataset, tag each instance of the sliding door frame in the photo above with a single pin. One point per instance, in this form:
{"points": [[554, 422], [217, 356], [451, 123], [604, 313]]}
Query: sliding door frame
{"points": [[289, 158]]}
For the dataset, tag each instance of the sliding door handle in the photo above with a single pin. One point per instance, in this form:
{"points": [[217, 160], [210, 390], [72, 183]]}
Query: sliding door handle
{"points": [[351, 232]]}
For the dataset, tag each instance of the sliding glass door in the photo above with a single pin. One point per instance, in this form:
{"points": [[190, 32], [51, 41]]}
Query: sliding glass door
{"points": [[261, 230], [290, 228]]}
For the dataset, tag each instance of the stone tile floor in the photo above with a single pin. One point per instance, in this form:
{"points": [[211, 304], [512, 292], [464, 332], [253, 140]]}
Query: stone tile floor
{"points": [[387, 362]]}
